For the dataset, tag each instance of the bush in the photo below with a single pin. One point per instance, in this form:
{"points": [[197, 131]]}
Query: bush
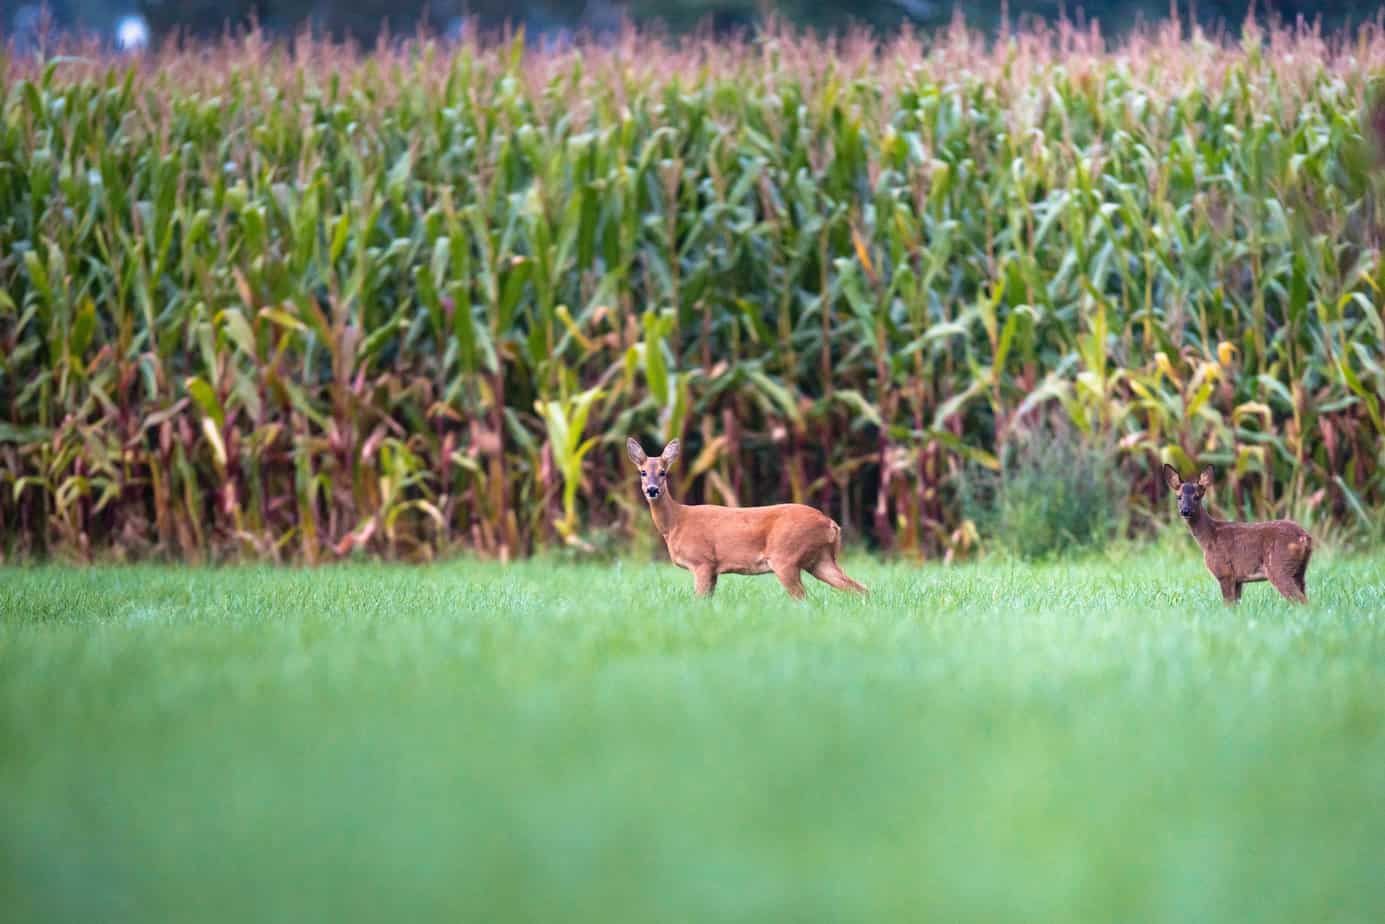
{"points": [[1055, 495]]}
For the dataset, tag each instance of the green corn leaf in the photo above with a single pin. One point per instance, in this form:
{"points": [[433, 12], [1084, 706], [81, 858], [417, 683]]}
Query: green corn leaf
{"points": [[237, 329], [83, 328], [778, 393], [206, 399], [655, 369]]}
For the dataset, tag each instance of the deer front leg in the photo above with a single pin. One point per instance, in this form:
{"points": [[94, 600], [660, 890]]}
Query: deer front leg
{"points": [[704, 580], [1230, 590]]}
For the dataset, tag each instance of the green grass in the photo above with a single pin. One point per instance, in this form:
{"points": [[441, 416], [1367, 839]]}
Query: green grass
{"points": [[1093, 741]]}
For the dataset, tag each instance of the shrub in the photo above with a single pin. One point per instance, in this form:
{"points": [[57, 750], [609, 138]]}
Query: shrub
{"points": [[1055, 495]]}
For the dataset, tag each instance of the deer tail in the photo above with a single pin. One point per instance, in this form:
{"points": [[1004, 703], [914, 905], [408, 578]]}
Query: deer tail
{"points": [[834, 533]]}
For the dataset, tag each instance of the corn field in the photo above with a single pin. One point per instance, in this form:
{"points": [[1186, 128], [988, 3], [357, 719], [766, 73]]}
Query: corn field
{"points": [[302, 302]]}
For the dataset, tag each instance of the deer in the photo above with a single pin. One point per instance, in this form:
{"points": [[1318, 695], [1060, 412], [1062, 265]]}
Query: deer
{"points": [[1242, 553], [710, 540]]}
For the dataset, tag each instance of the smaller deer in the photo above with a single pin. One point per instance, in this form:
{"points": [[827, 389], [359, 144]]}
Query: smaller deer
{"points": [[1241, 553], [710, 540]]}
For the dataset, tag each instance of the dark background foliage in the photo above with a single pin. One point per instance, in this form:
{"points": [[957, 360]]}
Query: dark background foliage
{"points": [[363, 19]]}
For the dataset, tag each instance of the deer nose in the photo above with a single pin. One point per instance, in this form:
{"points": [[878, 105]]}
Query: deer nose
{"points": [[652, 491]]}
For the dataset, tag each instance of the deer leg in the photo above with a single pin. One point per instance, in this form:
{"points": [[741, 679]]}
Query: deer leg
{"points": [[1230, 590], [705, 581], [1286, 585], [1297, 569], [790, 577], [829, 572], [1301, 580]]}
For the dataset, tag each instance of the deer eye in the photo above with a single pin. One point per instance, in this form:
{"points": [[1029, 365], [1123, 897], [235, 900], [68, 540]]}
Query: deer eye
{"points": [[642, 473]]}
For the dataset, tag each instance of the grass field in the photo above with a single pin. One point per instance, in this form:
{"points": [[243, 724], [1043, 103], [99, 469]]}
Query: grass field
{"points": [[1093, 741]]}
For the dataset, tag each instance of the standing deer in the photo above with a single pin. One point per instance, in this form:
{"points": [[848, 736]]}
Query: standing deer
{"points": [[1240, 553], [709, 540]]}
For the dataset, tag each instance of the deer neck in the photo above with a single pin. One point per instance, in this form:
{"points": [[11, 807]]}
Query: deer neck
{"points": [[1202, 526], [666, 512]]}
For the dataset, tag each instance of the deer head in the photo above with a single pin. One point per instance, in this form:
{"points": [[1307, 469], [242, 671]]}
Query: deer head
{"points": [[1190, 493], [653, 472]]}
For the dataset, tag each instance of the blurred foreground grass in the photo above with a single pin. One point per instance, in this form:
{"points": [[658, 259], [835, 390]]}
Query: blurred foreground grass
{"points": [[1093, 741]]}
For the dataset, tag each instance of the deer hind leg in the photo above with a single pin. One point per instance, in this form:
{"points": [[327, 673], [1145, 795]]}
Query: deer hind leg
{"points": [[790, 577], [1287, 584], [1300, 576], [829, 572], [1301, 581], [705, 581]]}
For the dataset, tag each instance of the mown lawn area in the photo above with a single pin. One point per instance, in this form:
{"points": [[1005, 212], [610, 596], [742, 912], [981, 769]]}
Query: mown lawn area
{"points": [[1099, 741]]}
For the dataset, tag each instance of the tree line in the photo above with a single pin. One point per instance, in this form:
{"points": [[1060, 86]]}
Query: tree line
{"points": [[363, 20]]}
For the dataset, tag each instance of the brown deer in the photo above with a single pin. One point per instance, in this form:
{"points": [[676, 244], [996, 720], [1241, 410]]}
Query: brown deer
{"points": [[1241, 553], [709, 540]]}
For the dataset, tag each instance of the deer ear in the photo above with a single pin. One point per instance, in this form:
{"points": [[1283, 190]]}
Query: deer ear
{"points": [[1171, 477], [670, 452], [636, 451], [1204, 480]]}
